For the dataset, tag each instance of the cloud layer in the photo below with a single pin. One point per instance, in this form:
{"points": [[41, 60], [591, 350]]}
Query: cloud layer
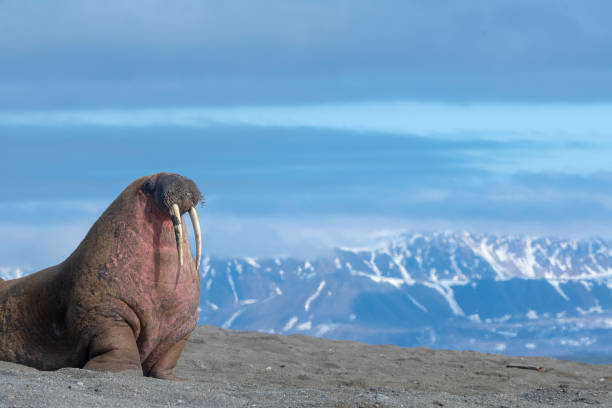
{"points": [[87, 53], [297, 190], [306, 123]]}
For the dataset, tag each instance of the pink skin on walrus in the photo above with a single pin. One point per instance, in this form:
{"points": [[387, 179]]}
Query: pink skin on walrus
{"points": [[125, 299]]}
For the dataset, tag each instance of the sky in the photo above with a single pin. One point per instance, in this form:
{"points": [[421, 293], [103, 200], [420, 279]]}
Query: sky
{"points": [[306, 124]]}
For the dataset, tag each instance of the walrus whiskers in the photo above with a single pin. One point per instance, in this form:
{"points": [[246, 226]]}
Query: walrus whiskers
{"points": [[178, 230], [198, 235]]}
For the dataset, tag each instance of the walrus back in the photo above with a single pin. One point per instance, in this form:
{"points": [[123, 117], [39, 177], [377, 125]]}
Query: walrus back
{"points": [[32, 327]]}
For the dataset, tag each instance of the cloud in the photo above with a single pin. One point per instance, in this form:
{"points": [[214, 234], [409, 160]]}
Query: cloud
{"points": [[297, 190], [239, 167], [302, 35], [492, 121], [75, 53], [306, 123], [30, 247]]}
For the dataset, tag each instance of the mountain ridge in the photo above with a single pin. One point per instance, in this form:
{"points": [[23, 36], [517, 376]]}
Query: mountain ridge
{"points": [[508, 294], [511, 294]]}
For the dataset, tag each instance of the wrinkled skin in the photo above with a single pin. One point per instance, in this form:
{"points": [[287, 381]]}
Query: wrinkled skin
{"points": [[120, 301]]}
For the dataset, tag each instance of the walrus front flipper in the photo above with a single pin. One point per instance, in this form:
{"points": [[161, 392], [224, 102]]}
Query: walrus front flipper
{"points": [[162, 369], [114, 350]]}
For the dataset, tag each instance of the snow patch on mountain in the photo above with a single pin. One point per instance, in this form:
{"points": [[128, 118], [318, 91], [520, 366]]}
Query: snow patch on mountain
{"points": [[416, 303], [314, 295], [445, 288], [10, 272], [230, 321], [252, 262], [289, 325]]}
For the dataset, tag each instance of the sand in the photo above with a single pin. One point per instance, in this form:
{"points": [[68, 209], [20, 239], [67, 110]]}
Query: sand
{"points": [[226, 368]]}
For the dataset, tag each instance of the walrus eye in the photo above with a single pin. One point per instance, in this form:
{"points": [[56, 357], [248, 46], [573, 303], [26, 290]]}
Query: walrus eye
{"points": [[149, 186]]}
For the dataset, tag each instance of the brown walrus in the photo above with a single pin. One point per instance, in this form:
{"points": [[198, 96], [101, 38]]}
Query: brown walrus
{"points": [[125, 299]]}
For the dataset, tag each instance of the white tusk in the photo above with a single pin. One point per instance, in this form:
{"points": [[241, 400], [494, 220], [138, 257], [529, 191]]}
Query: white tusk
{"points": [[198, 235], [178, 230]]}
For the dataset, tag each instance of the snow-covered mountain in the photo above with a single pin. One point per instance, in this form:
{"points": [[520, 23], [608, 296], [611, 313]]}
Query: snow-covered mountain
{"points": [[508, 294]]}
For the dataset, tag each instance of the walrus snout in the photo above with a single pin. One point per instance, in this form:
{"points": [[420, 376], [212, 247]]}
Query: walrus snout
{"points": [[177, 195]]}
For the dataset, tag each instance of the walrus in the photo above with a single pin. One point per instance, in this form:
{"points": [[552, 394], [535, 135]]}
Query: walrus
{"points": [[125, 300]]}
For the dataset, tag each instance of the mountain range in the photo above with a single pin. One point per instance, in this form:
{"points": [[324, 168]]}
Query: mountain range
{"points": [[505, 294], [514, 295]]}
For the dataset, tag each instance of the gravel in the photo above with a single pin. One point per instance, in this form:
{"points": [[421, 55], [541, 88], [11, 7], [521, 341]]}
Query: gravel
{"points": [[225, 368]]}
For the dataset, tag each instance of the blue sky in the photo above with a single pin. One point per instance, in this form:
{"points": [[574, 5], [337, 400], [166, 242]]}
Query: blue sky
{"points": [[306, 124]]}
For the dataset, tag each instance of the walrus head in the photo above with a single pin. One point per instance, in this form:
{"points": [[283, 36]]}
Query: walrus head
{"points": [[177, 195]]}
